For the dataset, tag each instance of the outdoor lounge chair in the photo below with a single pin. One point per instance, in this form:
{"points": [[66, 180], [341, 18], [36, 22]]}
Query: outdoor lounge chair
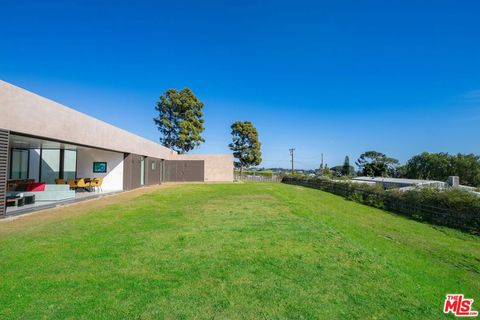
{"points": [[82, 184], [59, 181], [96, 183], [72, 184]]}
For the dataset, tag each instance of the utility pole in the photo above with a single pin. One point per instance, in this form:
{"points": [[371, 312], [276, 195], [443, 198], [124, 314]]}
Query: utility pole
{"points": [[292, 150], [321, 166]]}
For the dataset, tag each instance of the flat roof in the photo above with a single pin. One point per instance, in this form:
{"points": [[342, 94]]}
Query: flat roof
{"points": [[394, 180], [27, 113]]}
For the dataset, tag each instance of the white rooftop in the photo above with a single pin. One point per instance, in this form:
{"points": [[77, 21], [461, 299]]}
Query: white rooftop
{"points": [[393, 180]]}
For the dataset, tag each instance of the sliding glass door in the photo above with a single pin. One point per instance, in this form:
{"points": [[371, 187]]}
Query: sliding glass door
{"points": [[50, 165], [19, 164], [41, 160], [69, 164]]}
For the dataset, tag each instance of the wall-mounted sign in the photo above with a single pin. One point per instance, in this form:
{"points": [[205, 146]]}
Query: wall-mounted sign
{"points": [[99, 167]]}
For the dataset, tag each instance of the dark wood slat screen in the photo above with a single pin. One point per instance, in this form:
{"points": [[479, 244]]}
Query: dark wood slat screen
{"points": [[4, 135], [184, 170]]}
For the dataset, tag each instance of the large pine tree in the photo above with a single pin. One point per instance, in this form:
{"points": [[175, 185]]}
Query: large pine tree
{"points": [[245, 145], [180, 120], [346, 167]]}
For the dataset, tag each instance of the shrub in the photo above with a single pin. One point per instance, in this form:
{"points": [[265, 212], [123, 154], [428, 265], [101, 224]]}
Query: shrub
{"points": [[452, 207], [375, 200], [355, 196]]}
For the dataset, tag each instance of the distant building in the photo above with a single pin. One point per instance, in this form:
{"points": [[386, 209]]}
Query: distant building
{"points": [[389, 183], [406, 184]]}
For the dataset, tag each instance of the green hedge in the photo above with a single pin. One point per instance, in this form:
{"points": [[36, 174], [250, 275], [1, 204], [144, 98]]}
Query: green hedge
{"points": [[452, 207]]}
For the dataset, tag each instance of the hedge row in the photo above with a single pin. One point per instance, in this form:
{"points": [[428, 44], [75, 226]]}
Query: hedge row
{"points": [[451, 208]]}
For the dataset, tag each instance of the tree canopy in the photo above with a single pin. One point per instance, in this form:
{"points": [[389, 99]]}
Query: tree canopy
{"points": [[439, 166], [180, 120], [245, 145], [342, 170], [339, 171], [373, 163], [346, 168]]}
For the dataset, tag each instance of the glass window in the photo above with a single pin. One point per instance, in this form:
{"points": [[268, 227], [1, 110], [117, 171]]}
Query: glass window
{"points": [[50, 165], [69, 164], [19, 164], [161, 171], [142, 171], [34, 166]]}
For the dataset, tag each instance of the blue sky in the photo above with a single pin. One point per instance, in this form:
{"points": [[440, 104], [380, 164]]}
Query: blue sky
{"points": [[332, 77]]}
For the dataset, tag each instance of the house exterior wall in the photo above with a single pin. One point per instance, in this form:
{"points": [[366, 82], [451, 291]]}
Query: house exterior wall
{"points": [[41, 117], [218, 167], [113, 178]]}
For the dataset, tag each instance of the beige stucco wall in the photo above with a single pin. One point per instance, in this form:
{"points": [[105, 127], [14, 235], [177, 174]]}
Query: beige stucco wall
{"points": [[218, 167], [25, 112]]}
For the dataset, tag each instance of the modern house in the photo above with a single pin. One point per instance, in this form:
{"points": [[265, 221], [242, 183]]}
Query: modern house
{"points": [[53, 148]]}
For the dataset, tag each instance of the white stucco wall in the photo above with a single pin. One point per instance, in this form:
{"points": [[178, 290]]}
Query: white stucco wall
{"points": [[113, 179]]}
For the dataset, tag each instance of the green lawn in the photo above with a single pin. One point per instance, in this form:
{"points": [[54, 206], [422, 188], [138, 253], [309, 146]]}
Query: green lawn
{"points": [[232, 251]]}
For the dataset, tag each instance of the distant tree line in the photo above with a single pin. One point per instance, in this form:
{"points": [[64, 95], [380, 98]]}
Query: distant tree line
{"points": [[427, 166], [439, 166]]}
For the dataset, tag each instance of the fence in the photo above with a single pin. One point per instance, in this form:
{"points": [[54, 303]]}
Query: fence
{"points": [[466, 219], [257, 178]]}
